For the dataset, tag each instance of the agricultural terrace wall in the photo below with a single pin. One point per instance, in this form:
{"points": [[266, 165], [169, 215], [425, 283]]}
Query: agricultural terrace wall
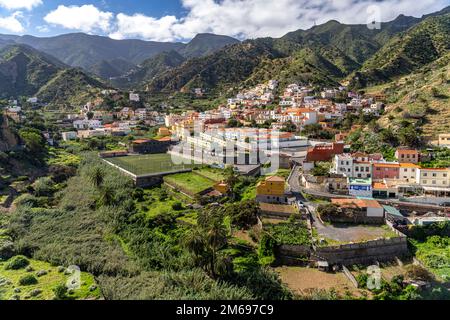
{"points": [[365, 253]]}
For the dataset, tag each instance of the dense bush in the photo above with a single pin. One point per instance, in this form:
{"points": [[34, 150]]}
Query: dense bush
{"points": [[16, 263], [28, 280]]}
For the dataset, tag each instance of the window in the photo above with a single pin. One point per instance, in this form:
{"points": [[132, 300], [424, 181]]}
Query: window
{"points": [[367, 169], [445, 175], [405, 170], [434, 182], [425, 174], [425, 182]]}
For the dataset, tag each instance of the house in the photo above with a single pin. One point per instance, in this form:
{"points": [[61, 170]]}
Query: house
{"points": [[272, 190], [444, 140], [163, 132], [404, 155], [149, 146], [408, 172], [70, 135], [359, 187], [433, 177], [365, 210], [277, 211], [384, 190], [222, 187], [134, 97], [386, 171], [324, 152]]}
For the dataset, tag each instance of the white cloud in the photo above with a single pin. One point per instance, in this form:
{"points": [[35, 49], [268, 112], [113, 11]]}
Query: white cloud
{"points": [[20, 4], [86, 18], [12, 23], [43, 29], [145, 27], [261, 18]]}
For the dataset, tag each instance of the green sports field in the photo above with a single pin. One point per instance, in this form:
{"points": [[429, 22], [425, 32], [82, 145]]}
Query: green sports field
{"points": [[150, 164]]}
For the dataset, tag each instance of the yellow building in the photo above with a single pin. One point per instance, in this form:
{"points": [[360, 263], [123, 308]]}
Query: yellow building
{"points": [[272, 190], [272, 186]]}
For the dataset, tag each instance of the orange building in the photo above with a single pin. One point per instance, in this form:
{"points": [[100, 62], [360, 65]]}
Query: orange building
{"points": [[222, 187], [407, 155]]}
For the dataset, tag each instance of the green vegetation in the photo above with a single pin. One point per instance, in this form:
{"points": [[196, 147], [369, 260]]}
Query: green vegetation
{"points": [[405, 53], [39, 279], [291, 233], [135, 255], [190, 183]]}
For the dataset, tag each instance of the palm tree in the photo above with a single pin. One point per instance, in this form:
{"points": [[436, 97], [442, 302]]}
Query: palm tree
{"points": [[206, 241], [97, 177]]}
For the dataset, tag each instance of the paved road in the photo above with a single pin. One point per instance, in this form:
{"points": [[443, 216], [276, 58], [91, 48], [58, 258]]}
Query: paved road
{"points": [[294, 184]]}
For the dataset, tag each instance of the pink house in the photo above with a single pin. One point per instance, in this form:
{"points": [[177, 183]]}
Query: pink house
{"points": [[386, 171]]}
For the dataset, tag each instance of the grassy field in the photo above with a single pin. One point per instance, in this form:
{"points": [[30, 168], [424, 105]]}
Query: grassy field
{"points": [[191, 182], [9, 283], [149, 164], [212, 174]]}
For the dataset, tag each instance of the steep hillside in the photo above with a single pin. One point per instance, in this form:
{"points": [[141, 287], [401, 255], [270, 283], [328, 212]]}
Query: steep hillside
{"points": [[110, 69], [407, 52], [323, 54], [8, 140], [225, 68], [422, 98], [24, 70], [70, 87], [148, 69]]}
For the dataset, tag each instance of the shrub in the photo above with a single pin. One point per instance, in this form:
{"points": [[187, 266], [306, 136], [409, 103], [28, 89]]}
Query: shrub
{"points": [[43, 186], [27, 200], [17, 262], [60, 292], [177, 206], [28, 280]]}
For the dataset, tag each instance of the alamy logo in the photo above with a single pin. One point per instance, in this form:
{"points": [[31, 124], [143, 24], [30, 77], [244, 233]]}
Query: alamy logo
{"points": [[74, 280], [374, 278], [374, 17]]}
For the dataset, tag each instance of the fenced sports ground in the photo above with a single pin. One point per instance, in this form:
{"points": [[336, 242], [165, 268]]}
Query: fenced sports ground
{"points": [[150, 164]]}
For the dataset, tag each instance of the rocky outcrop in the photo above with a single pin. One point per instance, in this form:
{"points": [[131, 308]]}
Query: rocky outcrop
{"points": [[8, 140]]}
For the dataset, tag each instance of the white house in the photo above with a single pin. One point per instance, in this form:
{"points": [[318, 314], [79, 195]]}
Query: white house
{"points": [[70, 135]]}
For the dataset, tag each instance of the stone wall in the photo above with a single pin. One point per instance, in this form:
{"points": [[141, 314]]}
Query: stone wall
{"points": [[365, 253]]}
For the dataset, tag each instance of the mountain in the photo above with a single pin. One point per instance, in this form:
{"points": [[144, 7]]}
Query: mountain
{"points": [[84, 51], [148, 69], [70, 87], [204, 44], [407, 52], [111, 69], [323, 55], [100, 55], [25, 71], [223, 68]]}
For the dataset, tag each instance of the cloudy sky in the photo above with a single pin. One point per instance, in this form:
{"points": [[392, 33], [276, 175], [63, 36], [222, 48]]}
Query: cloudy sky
{"points": [[180, 20]]}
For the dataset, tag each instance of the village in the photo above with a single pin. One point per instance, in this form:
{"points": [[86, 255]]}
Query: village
{"points": [[340, 207]]}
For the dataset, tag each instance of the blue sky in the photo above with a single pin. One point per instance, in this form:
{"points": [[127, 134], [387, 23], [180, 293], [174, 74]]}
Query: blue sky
{"points": [[180, 20]]}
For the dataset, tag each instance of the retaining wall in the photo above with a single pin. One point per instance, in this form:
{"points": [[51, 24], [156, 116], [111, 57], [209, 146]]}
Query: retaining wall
{"points": [[365, 253]]}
